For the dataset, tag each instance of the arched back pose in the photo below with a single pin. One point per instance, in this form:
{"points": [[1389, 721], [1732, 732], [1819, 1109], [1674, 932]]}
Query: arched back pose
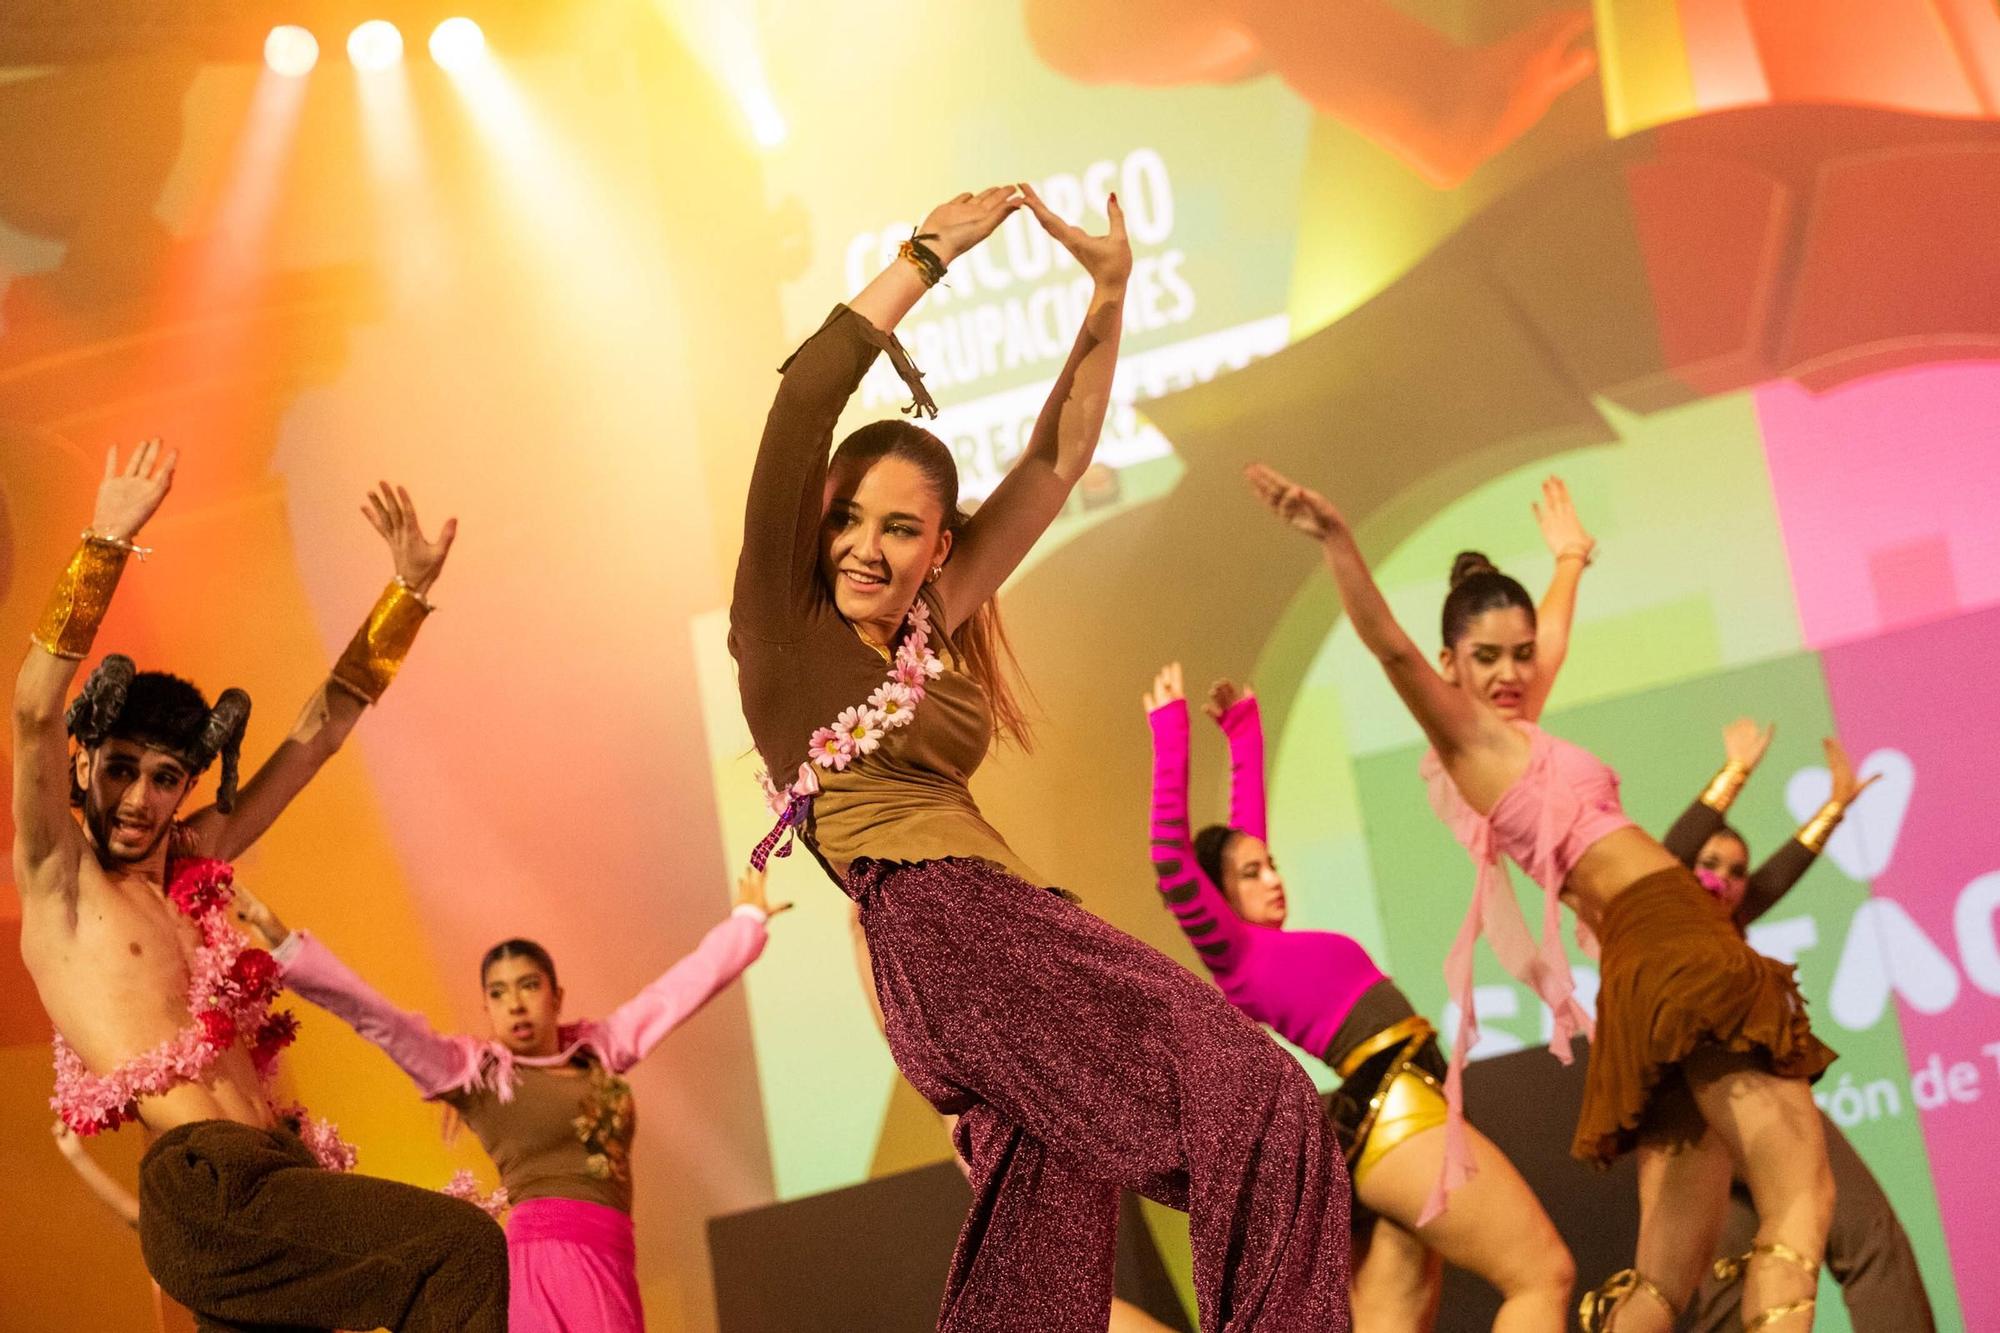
{"points": [[161, 1015], [1703, 1052], [1325, 994], [1077, 1059], [544, 1097], [1867, 1250]]}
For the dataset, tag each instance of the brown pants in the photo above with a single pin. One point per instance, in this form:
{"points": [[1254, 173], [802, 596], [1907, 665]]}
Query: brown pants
{"points": [[1866, 1251], [244, 1228]]}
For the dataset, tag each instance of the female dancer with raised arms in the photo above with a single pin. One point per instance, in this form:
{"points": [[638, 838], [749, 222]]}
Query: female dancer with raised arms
{"points": [[1077, 1059], [1703, 1052], [545, 1098]]}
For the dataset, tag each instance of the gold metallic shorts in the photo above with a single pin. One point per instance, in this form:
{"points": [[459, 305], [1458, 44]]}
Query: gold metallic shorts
{"points": [[1391, 1090]]}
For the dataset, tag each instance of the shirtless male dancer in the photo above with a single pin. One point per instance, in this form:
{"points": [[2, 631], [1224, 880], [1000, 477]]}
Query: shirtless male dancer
{"points": [[238, 1221]]}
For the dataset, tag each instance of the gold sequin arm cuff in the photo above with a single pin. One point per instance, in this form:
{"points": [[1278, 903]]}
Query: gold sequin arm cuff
{"points": [[378, 648], [1821, 826], [1722, 788], [82, 595]]}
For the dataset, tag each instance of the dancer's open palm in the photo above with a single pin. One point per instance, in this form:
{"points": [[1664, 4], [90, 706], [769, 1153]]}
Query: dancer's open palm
{"points": [[750, 893], [1224, 695], [419, 559], [1107, 258], [131, 494], [1846, 785], [965, 221], [1167, 687], [1744, 742], [1305, 509], [1562, 530]]}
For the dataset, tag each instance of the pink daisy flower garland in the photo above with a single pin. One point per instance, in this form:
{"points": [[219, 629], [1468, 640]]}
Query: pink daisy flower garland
{"points": [[857, 733]]}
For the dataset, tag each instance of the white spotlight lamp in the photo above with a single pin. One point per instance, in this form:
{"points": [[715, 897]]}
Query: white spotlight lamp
{"points": [[375, 45], [291, 51], [458, 44]]}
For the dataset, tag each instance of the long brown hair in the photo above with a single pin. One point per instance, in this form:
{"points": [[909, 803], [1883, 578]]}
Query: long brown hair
{"points": [[980, 643]]}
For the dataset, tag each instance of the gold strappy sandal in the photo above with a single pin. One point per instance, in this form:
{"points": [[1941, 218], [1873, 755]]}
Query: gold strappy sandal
{"points": [[1728, 1270], [1594, 1312]]}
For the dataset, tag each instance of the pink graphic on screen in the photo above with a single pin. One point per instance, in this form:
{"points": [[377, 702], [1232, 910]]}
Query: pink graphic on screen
{"points": [[1887, 491], [1928, 693]]}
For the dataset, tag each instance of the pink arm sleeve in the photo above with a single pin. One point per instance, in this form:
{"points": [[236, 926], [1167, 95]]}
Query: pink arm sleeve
{"points": [[1205, 916], [632, 1030], [436, 1064], [1244, 726]]}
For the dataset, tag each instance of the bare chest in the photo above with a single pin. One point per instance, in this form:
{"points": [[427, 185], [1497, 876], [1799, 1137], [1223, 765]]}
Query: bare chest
{"points": [[112, 970]]}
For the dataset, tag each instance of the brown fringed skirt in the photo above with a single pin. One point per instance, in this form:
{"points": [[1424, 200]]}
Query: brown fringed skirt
{"points": [[1676, 975]]}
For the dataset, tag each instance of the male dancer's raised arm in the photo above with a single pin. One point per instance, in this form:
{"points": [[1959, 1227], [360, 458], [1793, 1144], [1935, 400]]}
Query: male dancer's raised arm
{"points": [[47, 841], [356, 681]]}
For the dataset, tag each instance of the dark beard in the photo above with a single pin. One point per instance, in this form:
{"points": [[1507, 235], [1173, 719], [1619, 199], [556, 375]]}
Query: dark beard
{"points": [[99, 824]]}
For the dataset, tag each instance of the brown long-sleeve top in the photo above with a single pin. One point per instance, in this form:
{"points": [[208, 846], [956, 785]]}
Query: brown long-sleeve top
{"points": [[1767, 883], [800, 663]]}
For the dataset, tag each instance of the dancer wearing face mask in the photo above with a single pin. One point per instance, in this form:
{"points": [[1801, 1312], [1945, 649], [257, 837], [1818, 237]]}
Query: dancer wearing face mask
{"points": [[544, 1097], [1077, 1059], [1703, 1055], [1867, 1250], [1323, 993]]}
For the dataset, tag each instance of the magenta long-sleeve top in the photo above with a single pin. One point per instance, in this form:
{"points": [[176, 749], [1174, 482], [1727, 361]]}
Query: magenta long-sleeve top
{"points": [[1301, 983]]}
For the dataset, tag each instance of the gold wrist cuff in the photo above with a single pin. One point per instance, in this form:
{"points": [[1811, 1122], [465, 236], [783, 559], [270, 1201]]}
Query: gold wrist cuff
{"points": [[81, 597], [1722, 788], [378, 648], [1821, 826]]}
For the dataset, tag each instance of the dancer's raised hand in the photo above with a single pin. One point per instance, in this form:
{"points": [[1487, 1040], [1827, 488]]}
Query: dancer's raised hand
{"points": [[1562, 530], [1744, 742], [419, 560], [1224, 695], [750, 893], [1167, 687], [1107, 258], [130, 494], [1307, 510], [1846, 786], [964, 221]]}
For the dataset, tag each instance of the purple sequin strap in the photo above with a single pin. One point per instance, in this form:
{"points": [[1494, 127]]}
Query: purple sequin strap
{"points": [[778, 842]]}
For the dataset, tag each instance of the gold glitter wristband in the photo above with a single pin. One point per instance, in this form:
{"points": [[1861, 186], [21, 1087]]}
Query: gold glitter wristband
{"points": [[1722, 788], [1821, 826], [378, 648], [81, 597]]}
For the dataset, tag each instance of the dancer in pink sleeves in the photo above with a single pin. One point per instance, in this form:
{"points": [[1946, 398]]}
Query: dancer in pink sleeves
{"points": [[544, 1097], [1323, 993]]}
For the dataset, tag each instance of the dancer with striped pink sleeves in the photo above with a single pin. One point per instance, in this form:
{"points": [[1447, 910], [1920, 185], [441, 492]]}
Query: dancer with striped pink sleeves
{"points": [[1323, 993]]}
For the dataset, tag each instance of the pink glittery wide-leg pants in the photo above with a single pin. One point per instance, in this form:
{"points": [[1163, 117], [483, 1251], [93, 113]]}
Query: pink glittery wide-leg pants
{"points": [[1081, 1061]]}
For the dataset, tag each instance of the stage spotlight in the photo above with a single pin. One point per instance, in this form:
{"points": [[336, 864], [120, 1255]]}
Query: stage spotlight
{"points": [[291, 51], [457, 44], [376, 44]]}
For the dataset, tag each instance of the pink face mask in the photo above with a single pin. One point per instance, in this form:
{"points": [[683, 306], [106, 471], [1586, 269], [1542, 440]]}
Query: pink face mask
{"points": [[1731, 894]]}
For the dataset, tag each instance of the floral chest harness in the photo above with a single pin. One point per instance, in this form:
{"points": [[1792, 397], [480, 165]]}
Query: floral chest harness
{"points": [[857, 733], [230, 989]]}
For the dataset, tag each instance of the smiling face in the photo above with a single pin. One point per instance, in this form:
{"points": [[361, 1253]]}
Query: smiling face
{"points": [[1251, 881], [1494, 659], [523, 1004], [883, 532], [130, 796]]}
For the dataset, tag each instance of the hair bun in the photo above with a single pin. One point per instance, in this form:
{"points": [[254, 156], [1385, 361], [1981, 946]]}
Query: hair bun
{"points": [[1469, 563]]}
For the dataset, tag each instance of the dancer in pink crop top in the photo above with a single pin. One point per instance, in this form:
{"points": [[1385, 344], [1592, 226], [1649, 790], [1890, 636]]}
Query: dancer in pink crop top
{"points": [[1703, 1053], [1322, 992]]}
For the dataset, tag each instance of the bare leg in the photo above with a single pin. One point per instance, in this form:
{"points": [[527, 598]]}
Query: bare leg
{"points": [[1129, 1318], [1772, 1129], [1396, 1283], [1495, 1227]]}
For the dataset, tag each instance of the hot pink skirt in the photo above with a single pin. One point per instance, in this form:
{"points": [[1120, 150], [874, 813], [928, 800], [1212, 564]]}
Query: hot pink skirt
{"points": [[571, 1269]]}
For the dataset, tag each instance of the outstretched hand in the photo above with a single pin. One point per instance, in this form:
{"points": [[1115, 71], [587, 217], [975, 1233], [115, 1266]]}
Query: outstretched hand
{"points": [[1107, 258], [419, 560], [261, 920], [1744, 742], [1562, 530], [1224, 695], [1845, 784], [963, 222], [1167, 687], [131, 494], [750, 893], [1307, 510]]}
